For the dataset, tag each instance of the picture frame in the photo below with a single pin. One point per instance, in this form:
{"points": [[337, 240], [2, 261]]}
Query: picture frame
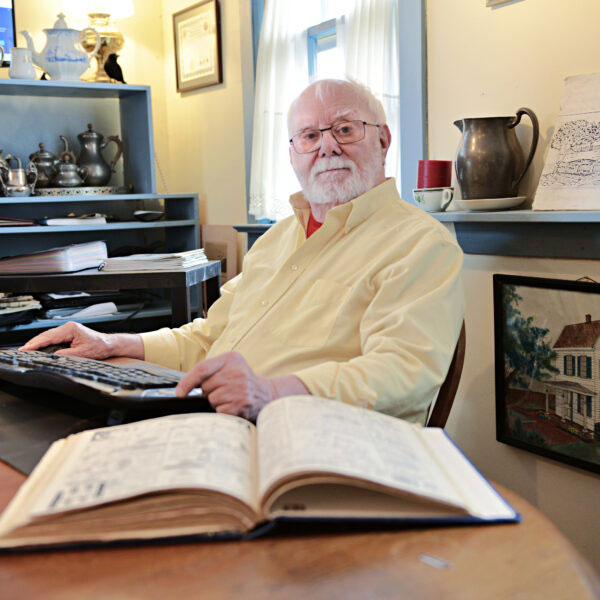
{"points": [[547, 367], [197, 39]]}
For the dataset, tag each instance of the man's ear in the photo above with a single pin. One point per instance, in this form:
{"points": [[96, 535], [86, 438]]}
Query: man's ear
{"points": [[385, 139]]}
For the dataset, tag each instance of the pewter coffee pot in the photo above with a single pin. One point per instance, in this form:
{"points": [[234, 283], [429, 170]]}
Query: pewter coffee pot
{"points": [[490, 162], [90, 157]]}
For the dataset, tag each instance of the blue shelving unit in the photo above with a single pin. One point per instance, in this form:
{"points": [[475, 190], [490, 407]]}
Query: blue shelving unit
{"points": [[40, 111]]}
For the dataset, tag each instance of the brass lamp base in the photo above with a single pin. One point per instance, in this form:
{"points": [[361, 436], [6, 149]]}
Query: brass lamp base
{"points": [[110, 43]]}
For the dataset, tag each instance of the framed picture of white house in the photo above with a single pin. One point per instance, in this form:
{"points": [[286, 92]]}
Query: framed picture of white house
{"points": [[197, 36], [547, 367]]}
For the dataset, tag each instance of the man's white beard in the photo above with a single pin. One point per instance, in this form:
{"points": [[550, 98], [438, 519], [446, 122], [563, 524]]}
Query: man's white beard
{"points": [[354, 185]]}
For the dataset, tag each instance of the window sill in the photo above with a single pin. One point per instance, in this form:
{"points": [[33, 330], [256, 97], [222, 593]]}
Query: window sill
{"points": [[530, 233], [540, 234]]}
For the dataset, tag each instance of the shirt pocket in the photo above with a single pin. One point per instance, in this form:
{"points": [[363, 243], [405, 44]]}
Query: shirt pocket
{"points": [[311, 320]]}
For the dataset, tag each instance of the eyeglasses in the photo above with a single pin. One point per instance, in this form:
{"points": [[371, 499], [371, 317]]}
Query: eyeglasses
{"points": [[346, 132]]}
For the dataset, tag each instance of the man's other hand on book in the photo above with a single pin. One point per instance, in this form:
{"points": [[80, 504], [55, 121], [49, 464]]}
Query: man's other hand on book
{"points": [[88, 343], [233, 388]]}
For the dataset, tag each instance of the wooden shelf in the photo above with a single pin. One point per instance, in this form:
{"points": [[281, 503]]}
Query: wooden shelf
{"points": [[102, 198], [127, 225], [68, 89], [528, 233], [519, 216], [151, 312]]}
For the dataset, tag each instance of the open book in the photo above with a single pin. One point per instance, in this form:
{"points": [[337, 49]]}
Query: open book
{"points": [[207, 474]]}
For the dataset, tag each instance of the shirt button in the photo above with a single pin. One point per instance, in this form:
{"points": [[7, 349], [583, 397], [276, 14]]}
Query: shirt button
{"points": [[294, 267], [264, 303]]}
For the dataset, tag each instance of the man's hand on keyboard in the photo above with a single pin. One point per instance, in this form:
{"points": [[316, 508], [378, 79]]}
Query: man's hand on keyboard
{"points": [[233, 388], [88, 343]]}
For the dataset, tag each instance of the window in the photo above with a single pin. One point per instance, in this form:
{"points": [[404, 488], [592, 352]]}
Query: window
{"points": [[569, 364], [380, 43], [325, 58], [588, 406], [585, 366], [579, 409]]}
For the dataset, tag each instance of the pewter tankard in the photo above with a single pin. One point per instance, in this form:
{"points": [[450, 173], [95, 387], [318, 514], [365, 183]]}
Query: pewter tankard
{"points": [[490, 162]]}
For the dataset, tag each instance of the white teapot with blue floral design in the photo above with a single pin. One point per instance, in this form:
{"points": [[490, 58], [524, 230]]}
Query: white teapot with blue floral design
{"points": [[63, 57]]}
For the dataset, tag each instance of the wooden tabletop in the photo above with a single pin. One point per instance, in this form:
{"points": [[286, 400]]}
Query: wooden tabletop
{"points": [[527, 560]]}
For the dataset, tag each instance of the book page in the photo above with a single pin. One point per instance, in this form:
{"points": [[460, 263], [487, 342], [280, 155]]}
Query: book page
{"points": [[478, 495], [208, 451], [300, 434]]}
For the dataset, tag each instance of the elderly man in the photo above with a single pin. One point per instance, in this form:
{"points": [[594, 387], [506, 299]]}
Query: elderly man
{"points": [[356, 297]]}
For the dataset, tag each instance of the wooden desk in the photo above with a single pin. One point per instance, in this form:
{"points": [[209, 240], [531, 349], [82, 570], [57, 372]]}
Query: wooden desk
{"points": [[179, 281], [528, 560]]}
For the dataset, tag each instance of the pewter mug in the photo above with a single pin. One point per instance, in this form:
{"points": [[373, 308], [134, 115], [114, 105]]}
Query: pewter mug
{"points": [[490, 162]]}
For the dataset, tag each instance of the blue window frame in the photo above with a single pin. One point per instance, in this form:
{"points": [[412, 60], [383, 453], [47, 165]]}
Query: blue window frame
{"points": [[257, 17], [320, 38]]}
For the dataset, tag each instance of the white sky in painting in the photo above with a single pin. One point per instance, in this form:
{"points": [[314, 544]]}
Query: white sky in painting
{"points": [[556, 308]]}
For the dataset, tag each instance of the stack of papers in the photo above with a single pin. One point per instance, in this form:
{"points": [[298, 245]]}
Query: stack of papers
{"points": [[72, 219], [156, 262], [10, 304]]}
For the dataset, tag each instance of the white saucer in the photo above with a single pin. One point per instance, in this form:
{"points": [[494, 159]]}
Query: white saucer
{"points": [[490, 203]]}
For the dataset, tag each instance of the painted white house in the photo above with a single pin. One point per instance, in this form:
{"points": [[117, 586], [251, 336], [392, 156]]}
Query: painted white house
{"points": [[577, 385]]}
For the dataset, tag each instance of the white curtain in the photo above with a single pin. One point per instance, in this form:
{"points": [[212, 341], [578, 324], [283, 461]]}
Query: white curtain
{"points": [[369, 41], [367, 35], [281, 74]]}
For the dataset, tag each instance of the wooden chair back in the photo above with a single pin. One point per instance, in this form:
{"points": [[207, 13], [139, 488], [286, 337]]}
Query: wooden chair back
{"points": [[445, 399]]}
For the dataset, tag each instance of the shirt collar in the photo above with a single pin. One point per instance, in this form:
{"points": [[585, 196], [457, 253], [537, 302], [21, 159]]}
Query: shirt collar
{"points": [[351, 213]]}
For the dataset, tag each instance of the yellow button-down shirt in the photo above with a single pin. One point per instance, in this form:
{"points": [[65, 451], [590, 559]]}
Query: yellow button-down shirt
{"points": [[366, 311]]}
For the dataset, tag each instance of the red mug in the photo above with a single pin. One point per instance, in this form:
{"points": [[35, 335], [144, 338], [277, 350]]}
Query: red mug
{"points": [[434, 174]]}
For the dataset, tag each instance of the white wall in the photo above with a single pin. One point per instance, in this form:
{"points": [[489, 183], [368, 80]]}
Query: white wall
{"points": [[486, 62], [206, 127]]}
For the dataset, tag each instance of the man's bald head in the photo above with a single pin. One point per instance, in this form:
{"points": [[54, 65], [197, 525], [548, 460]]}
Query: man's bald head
{"points": [[356, 94]]}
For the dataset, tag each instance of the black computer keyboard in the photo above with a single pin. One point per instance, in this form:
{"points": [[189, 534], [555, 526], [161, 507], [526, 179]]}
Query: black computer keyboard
{"points": [[114, 386]]}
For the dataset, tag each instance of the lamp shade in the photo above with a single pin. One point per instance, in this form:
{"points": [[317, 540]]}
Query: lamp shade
{"points": [[117, 9]]}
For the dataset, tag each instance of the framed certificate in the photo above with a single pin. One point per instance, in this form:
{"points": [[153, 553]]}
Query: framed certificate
{"points": [[197, 36]]}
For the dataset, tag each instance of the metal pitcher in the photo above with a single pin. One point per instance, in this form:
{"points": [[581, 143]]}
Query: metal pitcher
{"points": [[19, 181], [490, 162], [90, 156]]}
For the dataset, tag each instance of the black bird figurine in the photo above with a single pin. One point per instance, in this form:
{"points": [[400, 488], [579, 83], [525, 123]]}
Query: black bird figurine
{"points": [[113, 69]]}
